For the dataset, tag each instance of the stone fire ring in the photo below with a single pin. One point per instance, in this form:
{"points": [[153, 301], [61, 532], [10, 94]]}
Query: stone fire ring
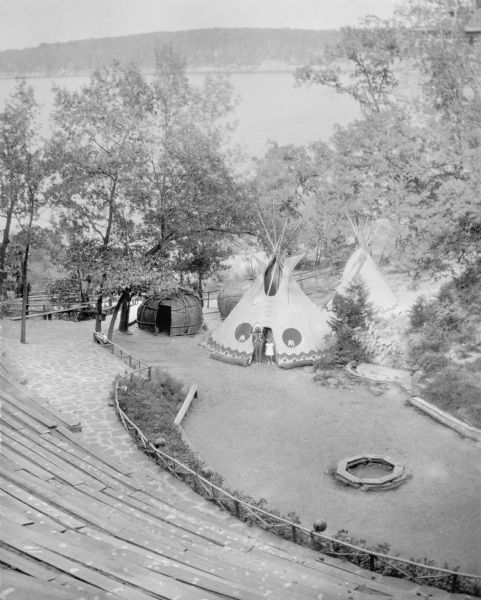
{"points": [[391, 480]]}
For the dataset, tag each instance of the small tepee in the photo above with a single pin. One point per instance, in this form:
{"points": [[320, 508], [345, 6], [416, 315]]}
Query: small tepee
{"points": [[275, 301], [361, 268]]}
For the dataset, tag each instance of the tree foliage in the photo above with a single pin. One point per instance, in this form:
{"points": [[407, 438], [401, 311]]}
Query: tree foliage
{"points": [[351, 313], [370, 50]]}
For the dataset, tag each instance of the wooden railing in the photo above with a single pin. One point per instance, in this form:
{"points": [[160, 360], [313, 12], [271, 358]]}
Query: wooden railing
{"points": [[141, 368], [453, 581]]}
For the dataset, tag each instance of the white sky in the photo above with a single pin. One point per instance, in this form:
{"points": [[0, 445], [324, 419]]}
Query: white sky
{"points": [[25, 23]]}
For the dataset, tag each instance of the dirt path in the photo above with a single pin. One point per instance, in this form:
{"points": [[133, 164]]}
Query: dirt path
{"points": [[274, 434]]}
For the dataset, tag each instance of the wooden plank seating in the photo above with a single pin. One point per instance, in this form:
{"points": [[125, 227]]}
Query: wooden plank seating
{"points": [[73, 444], [38, 459], [17, 420], [21, 586], [21, 563], [32, 508], [23, 402], [28, 544]]}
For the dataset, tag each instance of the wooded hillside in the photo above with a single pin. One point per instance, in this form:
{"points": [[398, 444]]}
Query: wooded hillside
{"points": [[216, 49]]}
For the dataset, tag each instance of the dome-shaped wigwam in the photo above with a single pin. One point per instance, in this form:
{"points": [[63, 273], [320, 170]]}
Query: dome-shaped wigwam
{"points": [[176, 311], [230, 295]]}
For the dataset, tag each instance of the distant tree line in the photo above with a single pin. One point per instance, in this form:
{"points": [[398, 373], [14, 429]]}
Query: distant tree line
{"points": [[219, 49]]}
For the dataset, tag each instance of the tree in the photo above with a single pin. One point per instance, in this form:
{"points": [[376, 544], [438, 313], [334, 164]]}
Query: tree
{"points": [[371, 51], [352, 312], [446, 216], [98, 148], [25, 172], [188, 185], [201, 257], [17, 130]]}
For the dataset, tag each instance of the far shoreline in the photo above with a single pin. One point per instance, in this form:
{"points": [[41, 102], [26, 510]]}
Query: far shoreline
{"points": [[150, 72]]}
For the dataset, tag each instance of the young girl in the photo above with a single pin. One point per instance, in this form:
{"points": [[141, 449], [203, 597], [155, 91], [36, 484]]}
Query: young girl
{"points": [[269, 348]]}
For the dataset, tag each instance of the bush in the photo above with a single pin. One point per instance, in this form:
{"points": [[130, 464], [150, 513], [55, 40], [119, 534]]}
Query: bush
{"points": [[421, 313], [352, 313], [450, 391]]}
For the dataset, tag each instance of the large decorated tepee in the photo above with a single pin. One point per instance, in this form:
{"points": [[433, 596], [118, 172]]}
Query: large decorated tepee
{"points": [[361, 268], [276, 302]]}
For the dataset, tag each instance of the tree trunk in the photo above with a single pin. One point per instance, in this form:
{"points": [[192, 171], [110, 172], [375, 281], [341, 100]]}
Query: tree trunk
{"points": [[125, 312], [199, 276], [100, 297], [98, 313], [82, 295], [23, 330], [3, 249], [123, 301]]}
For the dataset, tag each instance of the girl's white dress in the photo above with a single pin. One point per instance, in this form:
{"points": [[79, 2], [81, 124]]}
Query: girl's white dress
{"points": [[269, 349]]}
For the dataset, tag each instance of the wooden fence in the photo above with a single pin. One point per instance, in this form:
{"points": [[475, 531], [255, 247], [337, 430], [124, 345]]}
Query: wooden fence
{"points": [[453, 581]]}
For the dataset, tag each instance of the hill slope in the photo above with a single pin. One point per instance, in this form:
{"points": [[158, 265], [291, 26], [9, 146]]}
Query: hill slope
{"points": [[203, 49]]}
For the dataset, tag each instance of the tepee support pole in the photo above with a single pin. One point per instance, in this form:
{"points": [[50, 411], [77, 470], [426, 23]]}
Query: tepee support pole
{"points": [[266, 230]]}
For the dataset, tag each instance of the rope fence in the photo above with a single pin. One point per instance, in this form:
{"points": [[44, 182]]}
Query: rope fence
{"points": [[450, 580]]}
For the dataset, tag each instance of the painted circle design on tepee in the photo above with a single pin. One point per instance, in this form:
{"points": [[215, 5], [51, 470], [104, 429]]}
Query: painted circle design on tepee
{"points": [[243, 332], [291, 337]]}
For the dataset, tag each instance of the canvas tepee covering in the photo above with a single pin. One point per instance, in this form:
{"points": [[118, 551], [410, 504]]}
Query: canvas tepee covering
{"points": [[276, 301], [361, 268]]}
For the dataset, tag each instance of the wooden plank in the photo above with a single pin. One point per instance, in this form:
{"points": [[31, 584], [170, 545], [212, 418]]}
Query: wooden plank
{"points": [[51, 455], [19, 586], [56, 495], [12, 511], [33, 411], [191, 529], [11, 413], [98, 561], [213, 563], [39, 509], [53, 312], [186, 404], [37, 459], [27, 565], [194, 517], [86, 461], [140, 570], [62, 432], [11, 422], [23, 542], [70, 456], [26, 465], [24, 401]]}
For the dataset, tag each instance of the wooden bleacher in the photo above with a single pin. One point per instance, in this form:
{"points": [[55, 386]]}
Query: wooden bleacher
{"points": [[76, 525]]}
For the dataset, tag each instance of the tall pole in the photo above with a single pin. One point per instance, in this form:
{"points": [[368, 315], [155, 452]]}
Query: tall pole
{"points": [[23, 331]]}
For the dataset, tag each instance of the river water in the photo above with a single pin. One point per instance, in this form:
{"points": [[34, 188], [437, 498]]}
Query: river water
{"points": [[271, 108]]}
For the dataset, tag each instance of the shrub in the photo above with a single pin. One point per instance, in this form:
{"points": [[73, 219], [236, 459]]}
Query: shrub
{"points": [[352, 309], [352, 313], [421, 313], [450, 391]]}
